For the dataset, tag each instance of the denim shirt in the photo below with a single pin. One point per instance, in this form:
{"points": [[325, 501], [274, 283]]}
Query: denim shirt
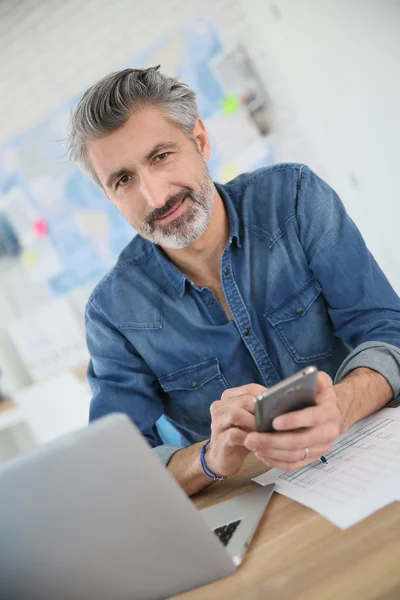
{"points": [[301, 286]]}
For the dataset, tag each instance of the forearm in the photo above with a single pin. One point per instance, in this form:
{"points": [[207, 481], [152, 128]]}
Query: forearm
{"points": [[185, 467], [360, 393]]}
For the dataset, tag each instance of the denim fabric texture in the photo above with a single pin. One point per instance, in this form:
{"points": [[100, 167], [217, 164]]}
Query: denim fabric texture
{"points": [[302, 288]]}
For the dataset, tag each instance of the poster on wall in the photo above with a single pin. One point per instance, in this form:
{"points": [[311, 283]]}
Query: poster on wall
{"points": [[62, 230]]}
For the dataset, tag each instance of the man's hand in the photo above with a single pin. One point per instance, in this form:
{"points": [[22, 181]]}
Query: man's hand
{"points": [[232, 418], [359, 394], [286, 449]]}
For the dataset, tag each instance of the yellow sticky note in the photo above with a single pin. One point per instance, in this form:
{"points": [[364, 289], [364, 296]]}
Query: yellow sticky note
{"points": [[228, 171], [29, 259], [230, 104]]}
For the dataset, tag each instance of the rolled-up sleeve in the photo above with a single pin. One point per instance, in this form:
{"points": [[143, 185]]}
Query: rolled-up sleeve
{"points": [[121, 381], [363, 307], [166, 451], [378, 356]]}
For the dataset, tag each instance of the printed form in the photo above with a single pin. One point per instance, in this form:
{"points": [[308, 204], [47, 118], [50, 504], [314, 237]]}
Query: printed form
{"points": [[362, 474]]}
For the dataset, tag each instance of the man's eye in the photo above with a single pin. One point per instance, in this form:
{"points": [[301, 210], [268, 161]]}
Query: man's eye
{"points": [[124, 180], [162, 156]]}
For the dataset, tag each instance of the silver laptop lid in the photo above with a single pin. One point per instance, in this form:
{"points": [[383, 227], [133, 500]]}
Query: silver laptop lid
{"points": [[97, 516]]}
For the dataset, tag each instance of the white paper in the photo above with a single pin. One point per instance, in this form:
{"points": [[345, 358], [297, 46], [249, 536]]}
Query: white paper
{"points": [[362, 474], [237, 75], [248, 159], [40, 260], [49, 340], [20, 213], [55, 407], [94, 225], [231, 133]]}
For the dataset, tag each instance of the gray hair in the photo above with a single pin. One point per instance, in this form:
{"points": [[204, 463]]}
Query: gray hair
{"points": [[109, 103]]}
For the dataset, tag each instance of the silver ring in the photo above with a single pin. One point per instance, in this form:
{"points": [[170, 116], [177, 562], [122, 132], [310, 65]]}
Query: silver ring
{"points": [[305, 454]]}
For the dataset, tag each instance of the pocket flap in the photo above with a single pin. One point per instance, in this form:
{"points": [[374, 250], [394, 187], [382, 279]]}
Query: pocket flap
{"points": [[191, 378], [297, 305]]}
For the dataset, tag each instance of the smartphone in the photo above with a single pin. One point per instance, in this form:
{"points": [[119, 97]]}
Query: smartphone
{"points": [[293, 393]]}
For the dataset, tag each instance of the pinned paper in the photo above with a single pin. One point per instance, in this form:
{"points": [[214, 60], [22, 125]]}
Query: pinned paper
{"points": [[29, 259], [229, 171], [40, 227], [21, 214], [41, 259], [49, 340], [230, 105], [231, 134]]}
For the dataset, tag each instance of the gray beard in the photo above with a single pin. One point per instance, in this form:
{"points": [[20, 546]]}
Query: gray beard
{"points": [[187, 228]]}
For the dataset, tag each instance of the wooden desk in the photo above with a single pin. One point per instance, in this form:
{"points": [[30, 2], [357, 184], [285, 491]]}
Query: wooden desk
{"points": [[299, 555]]}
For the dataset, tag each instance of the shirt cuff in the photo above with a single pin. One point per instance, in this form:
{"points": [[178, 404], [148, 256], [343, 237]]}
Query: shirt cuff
{"points": [[378, 356], [166, 452]]}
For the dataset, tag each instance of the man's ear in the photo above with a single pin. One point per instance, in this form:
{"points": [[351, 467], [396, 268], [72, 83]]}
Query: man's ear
{"points": [[201, 139]]}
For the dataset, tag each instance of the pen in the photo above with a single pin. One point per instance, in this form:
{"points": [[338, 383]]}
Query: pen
{"points": [[323, 460]]}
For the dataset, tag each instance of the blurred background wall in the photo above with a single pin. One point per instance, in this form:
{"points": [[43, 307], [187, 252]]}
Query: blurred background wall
{"points": [[330, 71]]}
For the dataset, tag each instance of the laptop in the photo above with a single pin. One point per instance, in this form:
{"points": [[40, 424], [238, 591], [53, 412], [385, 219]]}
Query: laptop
{"points": [[96, 516]]}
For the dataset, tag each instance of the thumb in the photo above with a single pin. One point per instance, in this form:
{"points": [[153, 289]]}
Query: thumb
{"points": [[324, 382]]}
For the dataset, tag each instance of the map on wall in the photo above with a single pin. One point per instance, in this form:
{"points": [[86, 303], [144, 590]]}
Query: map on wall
{"points": [[67, 232]]}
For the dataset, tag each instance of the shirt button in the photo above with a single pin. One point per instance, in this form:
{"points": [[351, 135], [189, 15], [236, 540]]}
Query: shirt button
{"points": [[226, 271], [299, 310], [246, 332], [210, 302], [194, 383]]}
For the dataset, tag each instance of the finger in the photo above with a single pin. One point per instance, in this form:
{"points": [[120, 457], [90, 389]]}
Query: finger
{"points": [[238, 417], [250, 389], [233, 437], [220, 407], [306, 417], [295, 440], [294, 456], [324, 383], [313, 416], [310, 417]]}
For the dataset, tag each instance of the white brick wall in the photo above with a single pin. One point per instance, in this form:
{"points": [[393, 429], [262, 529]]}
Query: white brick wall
{"points": [[52, 49]]}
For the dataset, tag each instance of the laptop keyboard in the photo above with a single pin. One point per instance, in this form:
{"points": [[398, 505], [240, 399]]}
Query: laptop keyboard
{"points": [[225, 532]]}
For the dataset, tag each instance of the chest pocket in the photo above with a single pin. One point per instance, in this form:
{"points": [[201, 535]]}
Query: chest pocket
{"points": [[192, 389], [303, 324]]}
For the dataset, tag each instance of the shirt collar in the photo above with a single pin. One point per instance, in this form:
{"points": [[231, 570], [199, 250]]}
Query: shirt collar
{"points": [[232, 214], [175, 275], [172, 273]]}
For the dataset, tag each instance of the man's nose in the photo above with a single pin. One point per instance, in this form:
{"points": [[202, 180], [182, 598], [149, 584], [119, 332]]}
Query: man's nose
{"points": [[153, 190]]}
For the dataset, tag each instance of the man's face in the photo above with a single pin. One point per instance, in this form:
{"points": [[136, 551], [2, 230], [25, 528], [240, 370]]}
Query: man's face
{"points": [[157, 177]]}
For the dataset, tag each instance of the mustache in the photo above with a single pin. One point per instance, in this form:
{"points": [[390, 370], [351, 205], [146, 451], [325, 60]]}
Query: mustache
{"points": [[171, 203]]}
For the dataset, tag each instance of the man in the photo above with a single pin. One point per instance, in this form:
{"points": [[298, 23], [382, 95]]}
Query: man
{"points": [[225, 290]]}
